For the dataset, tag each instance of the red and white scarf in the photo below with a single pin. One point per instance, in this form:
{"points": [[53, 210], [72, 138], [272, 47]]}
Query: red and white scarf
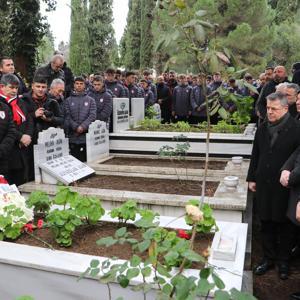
{"points": [[18, 115]]}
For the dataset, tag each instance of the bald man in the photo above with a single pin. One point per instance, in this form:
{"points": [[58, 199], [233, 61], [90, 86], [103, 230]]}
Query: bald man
{"points": [[52, 71], [279, 76]]}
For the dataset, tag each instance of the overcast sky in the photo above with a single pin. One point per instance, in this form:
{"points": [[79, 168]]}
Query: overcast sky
{"points": [[60, 22]]}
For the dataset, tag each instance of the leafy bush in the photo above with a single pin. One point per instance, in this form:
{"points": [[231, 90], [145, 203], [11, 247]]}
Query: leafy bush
{"points": [[125, 212], [40, 202]]}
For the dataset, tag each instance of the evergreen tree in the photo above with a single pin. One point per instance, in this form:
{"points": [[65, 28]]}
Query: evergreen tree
{"points": [[4, 30], [240, 31], [26, 29], [101, 34], [133, 35], [146, 47], [79, 39]]}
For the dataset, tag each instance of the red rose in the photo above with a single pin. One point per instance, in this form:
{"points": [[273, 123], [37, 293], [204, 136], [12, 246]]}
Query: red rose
{"points": [[183, 234], [28, 228], [40, 224]]}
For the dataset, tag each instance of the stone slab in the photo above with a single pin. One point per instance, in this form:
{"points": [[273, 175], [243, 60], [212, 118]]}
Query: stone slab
{"points": [[66, 169], [97, 141], [137, 110], [120, 114]]}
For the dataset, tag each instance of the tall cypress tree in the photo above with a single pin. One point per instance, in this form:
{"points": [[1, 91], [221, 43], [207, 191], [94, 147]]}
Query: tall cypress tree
{"points": [[79, 39], [101, 34], [133, 35], [146, 33]]}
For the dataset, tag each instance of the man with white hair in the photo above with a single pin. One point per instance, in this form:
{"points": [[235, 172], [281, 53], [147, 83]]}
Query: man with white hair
{"points": [[52, 71], [56, 92]]}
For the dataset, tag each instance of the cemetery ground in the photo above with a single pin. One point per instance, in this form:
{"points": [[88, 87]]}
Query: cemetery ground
{"points": [[150, 185], [85, 237], [269, 286]]}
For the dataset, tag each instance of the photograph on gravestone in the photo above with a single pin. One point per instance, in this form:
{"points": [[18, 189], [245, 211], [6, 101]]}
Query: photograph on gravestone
{"points": [[97, 141], [52, 144], [120, 114], [138, 110]]}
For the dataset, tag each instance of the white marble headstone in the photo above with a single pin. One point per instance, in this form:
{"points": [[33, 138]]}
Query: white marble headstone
{"points": [[52, 144], [97, 141], [67, 169], [157, 109], [137, 110], [52, 161], [120, 114]]}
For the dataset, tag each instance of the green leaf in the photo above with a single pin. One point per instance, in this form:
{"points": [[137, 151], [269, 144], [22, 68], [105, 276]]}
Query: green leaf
{"points": [[123, 281], [218, 281], [180, 4], [206, 24], [204, 273], [25, 298], [171, 257], [121, 232], [94, 263], [95, 272], [107, 241], [193, 256], [191, 23], [201, 13], [237, 295], [146, 272], [222, 295], [131, 273], [204, 287], [163, 271], [199, 33], [167, 288], [223, 113], [143, 246], [250, 87], [135, 260]]}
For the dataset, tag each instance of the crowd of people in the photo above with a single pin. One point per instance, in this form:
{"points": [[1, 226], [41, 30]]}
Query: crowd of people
{"points": [[58, 99]]}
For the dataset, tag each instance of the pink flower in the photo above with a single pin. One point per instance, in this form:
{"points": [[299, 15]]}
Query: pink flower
{"points": [[183, 234], [28, 228], [40, 224]]}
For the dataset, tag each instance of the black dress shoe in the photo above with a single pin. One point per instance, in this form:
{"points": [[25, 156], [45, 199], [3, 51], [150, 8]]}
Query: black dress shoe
{"points": [[283, 270], [263, 267], [295, 296]]}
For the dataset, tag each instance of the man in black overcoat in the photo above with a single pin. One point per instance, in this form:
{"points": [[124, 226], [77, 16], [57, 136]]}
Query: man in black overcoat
{"points": [[274, 142]]}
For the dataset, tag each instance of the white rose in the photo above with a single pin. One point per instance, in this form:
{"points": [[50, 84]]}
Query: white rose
{"points": [[194, 213]]}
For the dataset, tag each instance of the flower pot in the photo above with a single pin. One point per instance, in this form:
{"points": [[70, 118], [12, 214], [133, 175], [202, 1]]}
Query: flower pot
{"points": [[231, 182], [237, 160]]}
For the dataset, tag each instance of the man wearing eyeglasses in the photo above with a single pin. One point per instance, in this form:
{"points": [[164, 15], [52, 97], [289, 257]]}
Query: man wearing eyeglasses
{"points": [[274, 142]]}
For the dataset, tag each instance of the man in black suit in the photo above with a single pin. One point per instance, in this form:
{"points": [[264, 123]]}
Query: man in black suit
{"points": [[275, 140]]}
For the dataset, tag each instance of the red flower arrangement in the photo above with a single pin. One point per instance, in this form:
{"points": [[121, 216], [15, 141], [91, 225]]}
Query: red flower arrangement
{"points": [[183, 234], [28, 227], [40, 224]]}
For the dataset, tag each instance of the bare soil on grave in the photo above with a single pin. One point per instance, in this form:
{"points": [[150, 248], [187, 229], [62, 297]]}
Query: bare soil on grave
{"points": [[85, 237], [165, 163], [150, 185], [269, 286]]}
